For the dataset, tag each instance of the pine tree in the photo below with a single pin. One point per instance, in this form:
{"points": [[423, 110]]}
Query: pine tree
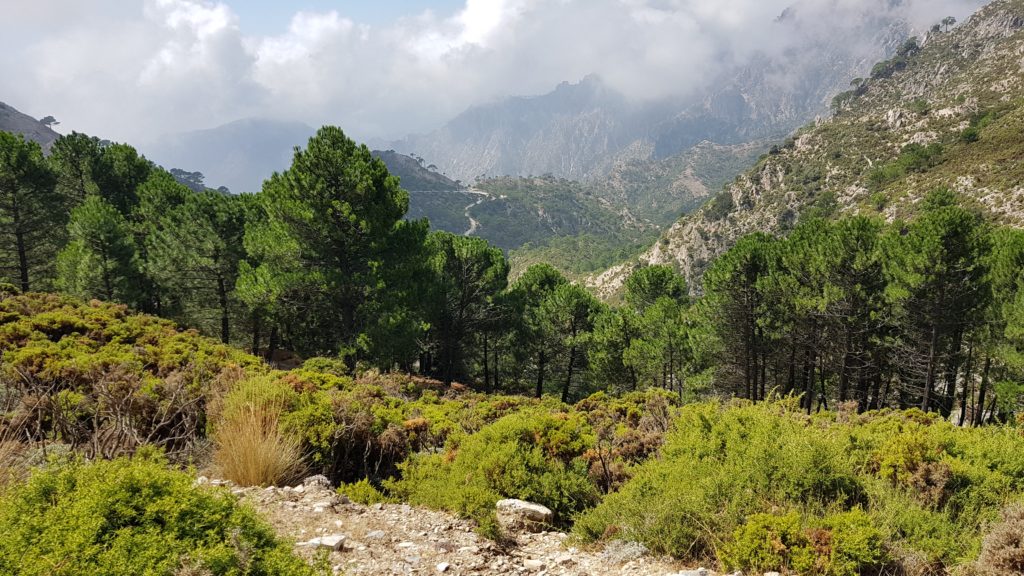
{"points": [[31, 214], [938, 284], [75, 158], [100, 261], [529, 292], [328, 218], [736, 300], [568, 314], [468, 277], [194, 253]]}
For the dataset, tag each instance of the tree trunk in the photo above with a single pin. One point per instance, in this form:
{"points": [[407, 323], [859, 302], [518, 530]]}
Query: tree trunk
{"points": [[823, 400], [256, 333], [225, 322], [19, 238], [844, 377], [929, 380], [952, 371], [568, 376], [764, 368], [275, 341], [968, 368], [979, 411], [748, 375], [540, 374], [808, 380], [497, 384], [791, 381], [487, 368]]}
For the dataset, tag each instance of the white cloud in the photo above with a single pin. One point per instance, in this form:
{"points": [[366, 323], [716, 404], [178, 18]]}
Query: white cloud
{"points": [[127, 72]]}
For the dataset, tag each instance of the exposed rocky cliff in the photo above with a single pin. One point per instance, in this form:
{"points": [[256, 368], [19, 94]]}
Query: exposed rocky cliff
{"points": [[945, 112]]}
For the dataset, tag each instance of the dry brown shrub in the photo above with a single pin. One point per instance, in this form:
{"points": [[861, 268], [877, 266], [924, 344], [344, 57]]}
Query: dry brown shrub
{"points": [[1002, 553], [12, 463]]}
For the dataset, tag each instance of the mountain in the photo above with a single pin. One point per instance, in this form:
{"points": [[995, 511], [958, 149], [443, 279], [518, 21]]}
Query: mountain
{"points": [[566, 133], [14, 121], [581, 131], [943, 112], [413, 174], [239, 155]]}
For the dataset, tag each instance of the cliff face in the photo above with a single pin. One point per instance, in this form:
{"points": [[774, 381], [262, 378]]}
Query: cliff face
{"points": [[945, 113]]}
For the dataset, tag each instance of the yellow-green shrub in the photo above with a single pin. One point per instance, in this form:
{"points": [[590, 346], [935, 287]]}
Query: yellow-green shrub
{"points": [[363, 492], [98, 377], [133, 517], [530, 455], [901, 487]]}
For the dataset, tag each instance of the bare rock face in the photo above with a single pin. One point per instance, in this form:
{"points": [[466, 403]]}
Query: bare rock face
{"points": [[519, 515]]}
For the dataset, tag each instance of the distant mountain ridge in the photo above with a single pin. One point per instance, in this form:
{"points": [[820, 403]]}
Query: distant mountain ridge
{"points": [[580, 131], [414, 175], [11, 120]]}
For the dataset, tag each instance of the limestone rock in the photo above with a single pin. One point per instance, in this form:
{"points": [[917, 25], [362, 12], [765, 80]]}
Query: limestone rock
{"points": [[331, 542], [522, 515]]}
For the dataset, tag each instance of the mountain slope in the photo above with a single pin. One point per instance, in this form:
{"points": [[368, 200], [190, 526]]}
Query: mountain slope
{"points": [[581, 131], [946, 114], [16, 122], [414, 176]]}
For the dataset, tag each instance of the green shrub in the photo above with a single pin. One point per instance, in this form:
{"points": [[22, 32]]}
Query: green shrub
{"points": [[901, 489], [970, 134], [530, 455], [857, 544], [133, 517], [105, 379], [719, 206], [768, 542], [363, 492]]}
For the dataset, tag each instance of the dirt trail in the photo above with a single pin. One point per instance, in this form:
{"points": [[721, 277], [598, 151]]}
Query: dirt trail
{"points": [[400, 539], [474, 225]]}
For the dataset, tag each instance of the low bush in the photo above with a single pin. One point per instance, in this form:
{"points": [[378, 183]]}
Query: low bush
{"points": [[133, 517], [530, 455], [767, 488], [363, 492], [104, 380]]}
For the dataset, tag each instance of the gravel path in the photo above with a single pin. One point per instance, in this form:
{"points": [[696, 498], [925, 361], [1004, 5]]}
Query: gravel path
{"points": [[400, 539]]}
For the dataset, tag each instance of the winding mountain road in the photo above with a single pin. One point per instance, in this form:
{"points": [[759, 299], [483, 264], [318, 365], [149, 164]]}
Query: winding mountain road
{"points": [[474, 224]]}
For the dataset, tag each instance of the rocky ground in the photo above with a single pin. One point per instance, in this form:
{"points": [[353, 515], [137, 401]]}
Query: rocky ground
{"points": [[400, 539]]}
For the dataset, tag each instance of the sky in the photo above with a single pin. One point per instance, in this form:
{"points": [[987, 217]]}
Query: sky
{"points": [[130, 70]]}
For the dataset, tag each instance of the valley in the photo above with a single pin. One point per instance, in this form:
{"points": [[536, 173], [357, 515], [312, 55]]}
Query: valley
{"points": [[752, 304]]}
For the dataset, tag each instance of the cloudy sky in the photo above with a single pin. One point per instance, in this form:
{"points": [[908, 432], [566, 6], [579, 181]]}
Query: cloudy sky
{"points": [[130, 69]]}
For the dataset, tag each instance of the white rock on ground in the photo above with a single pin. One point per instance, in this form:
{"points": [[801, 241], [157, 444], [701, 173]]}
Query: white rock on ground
{"points": [[521, 515], [332, 542]]}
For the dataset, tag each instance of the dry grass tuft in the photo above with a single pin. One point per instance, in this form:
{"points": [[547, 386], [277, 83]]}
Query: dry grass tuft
{"points": [[250, 448]]}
